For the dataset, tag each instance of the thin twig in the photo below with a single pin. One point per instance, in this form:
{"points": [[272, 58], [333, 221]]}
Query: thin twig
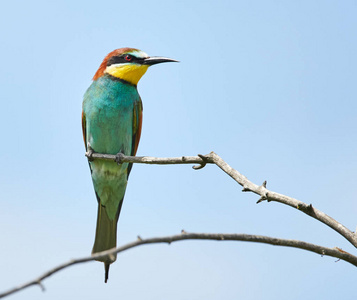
{"points": [[334, 252]]}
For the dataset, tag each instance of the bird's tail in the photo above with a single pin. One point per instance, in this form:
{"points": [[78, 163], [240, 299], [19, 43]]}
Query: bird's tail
{"points": [[105, 237]]}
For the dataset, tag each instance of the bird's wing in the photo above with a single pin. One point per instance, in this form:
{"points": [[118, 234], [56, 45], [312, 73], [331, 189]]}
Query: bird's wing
{"points": [[137, 122], [84, 129]]}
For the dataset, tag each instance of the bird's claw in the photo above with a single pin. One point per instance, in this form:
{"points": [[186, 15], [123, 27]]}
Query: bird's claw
{"points": [[119, 158], [89, 153]]}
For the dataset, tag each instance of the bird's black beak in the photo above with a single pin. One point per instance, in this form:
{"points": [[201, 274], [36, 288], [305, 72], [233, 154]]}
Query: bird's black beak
{"points": [[157, 60]]}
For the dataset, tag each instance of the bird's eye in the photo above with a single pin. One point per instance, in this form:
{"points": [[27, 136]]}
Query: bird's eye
{"points": [[128, 57]]}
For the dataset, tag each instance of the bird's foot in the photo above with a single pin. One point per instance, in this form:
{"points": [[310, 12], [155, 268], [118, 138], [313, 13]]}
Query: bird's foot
{"points": [[89, 153], [119, 158]]}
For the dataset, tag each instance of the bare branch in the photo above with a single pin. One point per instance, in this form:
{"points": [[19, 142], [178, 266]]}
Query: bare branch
{"points": [[247, 185], [268, 195], [201, 159], [334, 252]]}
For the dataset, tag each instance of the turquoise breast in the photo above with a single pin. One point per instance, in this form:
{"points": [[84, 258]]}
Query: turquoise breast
{"points": [[108, 106]]}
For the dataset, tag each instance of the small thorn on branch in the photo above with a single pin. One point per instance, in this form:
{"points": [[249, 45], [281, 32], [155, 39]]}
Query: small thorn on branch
{"points": [[263, 198], [119, 158], [203, 164], [41, 286], [265, 193], [183, 231], [139, 238], [246, 189]]}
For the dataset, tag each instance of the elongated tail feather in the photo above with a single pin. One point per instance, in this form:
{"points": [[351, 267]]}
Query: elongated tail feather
{"points": [[106, 236]]}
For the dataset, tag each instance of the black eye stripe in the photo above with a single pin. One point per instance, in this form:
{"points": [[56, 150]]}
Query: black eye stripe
{"points": [[121, 60], [115, 60]]}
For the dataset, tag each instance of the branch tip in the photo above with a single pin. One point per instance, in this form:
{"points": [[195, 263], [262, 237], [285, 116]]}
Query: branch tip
{"points": [[212, 153]]}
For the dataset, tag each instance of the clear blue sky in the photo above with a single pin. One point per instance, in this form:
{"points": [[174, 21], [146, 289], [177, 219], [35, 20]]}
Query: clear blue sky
{"points": [[268, 85]]}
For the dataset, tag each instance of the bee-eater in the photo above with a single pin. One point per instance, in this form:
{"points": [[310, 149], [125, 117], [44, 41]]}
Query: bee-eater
{"points": [[111, 123]]}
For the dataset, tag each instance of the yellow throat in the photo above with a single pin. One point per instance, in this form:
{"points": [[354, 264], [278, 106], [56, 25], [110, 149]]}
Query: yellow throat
{"points": [[128, 72]]}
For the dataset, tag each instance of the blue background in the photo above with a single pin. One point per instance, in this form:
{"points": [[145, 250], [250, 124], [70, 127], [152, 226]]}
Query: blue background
{"points": [[268, 85]]}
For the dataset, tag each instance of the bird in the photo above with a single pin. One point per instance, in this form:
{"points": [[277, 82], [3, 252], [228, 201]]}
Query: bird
{"points": [[111, 124]]}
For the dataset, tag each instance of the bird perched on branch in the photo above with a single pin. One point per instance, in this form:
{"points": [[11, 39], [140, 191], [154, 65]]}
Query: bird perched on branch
{"points": [[111, 123]]}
